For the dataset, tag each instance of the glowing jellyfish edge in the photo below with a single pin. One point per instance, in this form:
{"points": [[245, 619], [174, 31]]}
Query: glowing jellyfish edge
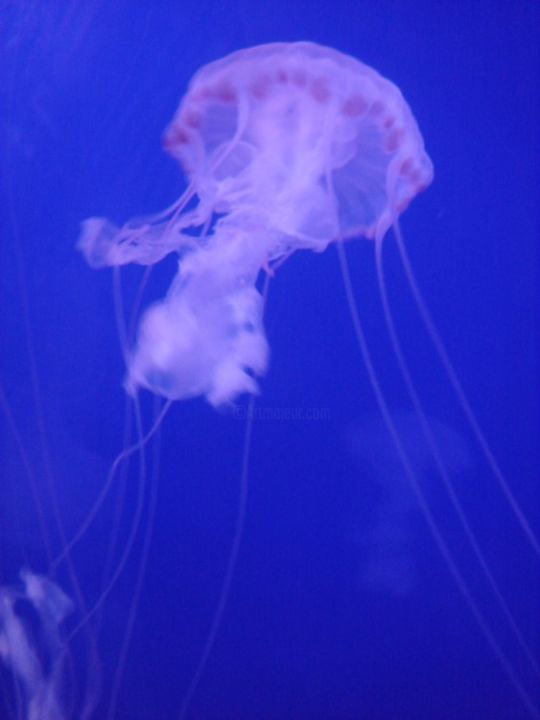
{"points": [[286, 146]]}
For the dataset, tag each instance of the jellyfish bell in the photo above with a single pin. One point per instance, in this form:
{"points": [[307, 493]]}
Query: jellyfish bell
{"points": [[286, 146], [318, 145]]}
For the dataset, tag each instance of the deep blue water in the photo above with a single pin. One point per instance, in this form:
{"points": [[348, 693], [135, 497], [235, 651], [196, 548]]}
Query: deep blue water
{"points": [[341, 606]]}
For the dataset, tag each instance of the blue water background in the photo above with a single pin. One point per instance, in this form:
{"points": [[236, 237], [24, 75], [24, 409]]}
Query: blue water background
{"points": [[341, 605]]}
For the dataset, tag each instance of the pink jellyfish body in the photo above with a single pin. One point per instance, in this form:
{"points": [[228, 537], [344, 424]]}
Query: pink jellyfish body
{"points": [[286, 146]]}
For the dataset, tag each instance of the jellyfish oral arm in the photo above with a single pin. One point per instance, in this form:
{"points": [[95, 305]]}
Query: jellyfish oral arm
{"points": [[206, 337], [103, 244]]}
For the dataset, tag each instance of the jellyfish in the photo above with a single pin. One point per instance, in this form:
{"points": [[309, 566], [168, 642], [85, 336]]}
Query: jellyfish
{"points": [[39, 670], [286, 147]]}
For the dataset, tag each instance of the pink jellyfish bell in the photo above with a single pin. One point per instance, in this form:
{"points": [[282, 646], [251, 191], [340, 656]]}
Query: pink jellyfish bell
{"points": [[286, 146]]}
